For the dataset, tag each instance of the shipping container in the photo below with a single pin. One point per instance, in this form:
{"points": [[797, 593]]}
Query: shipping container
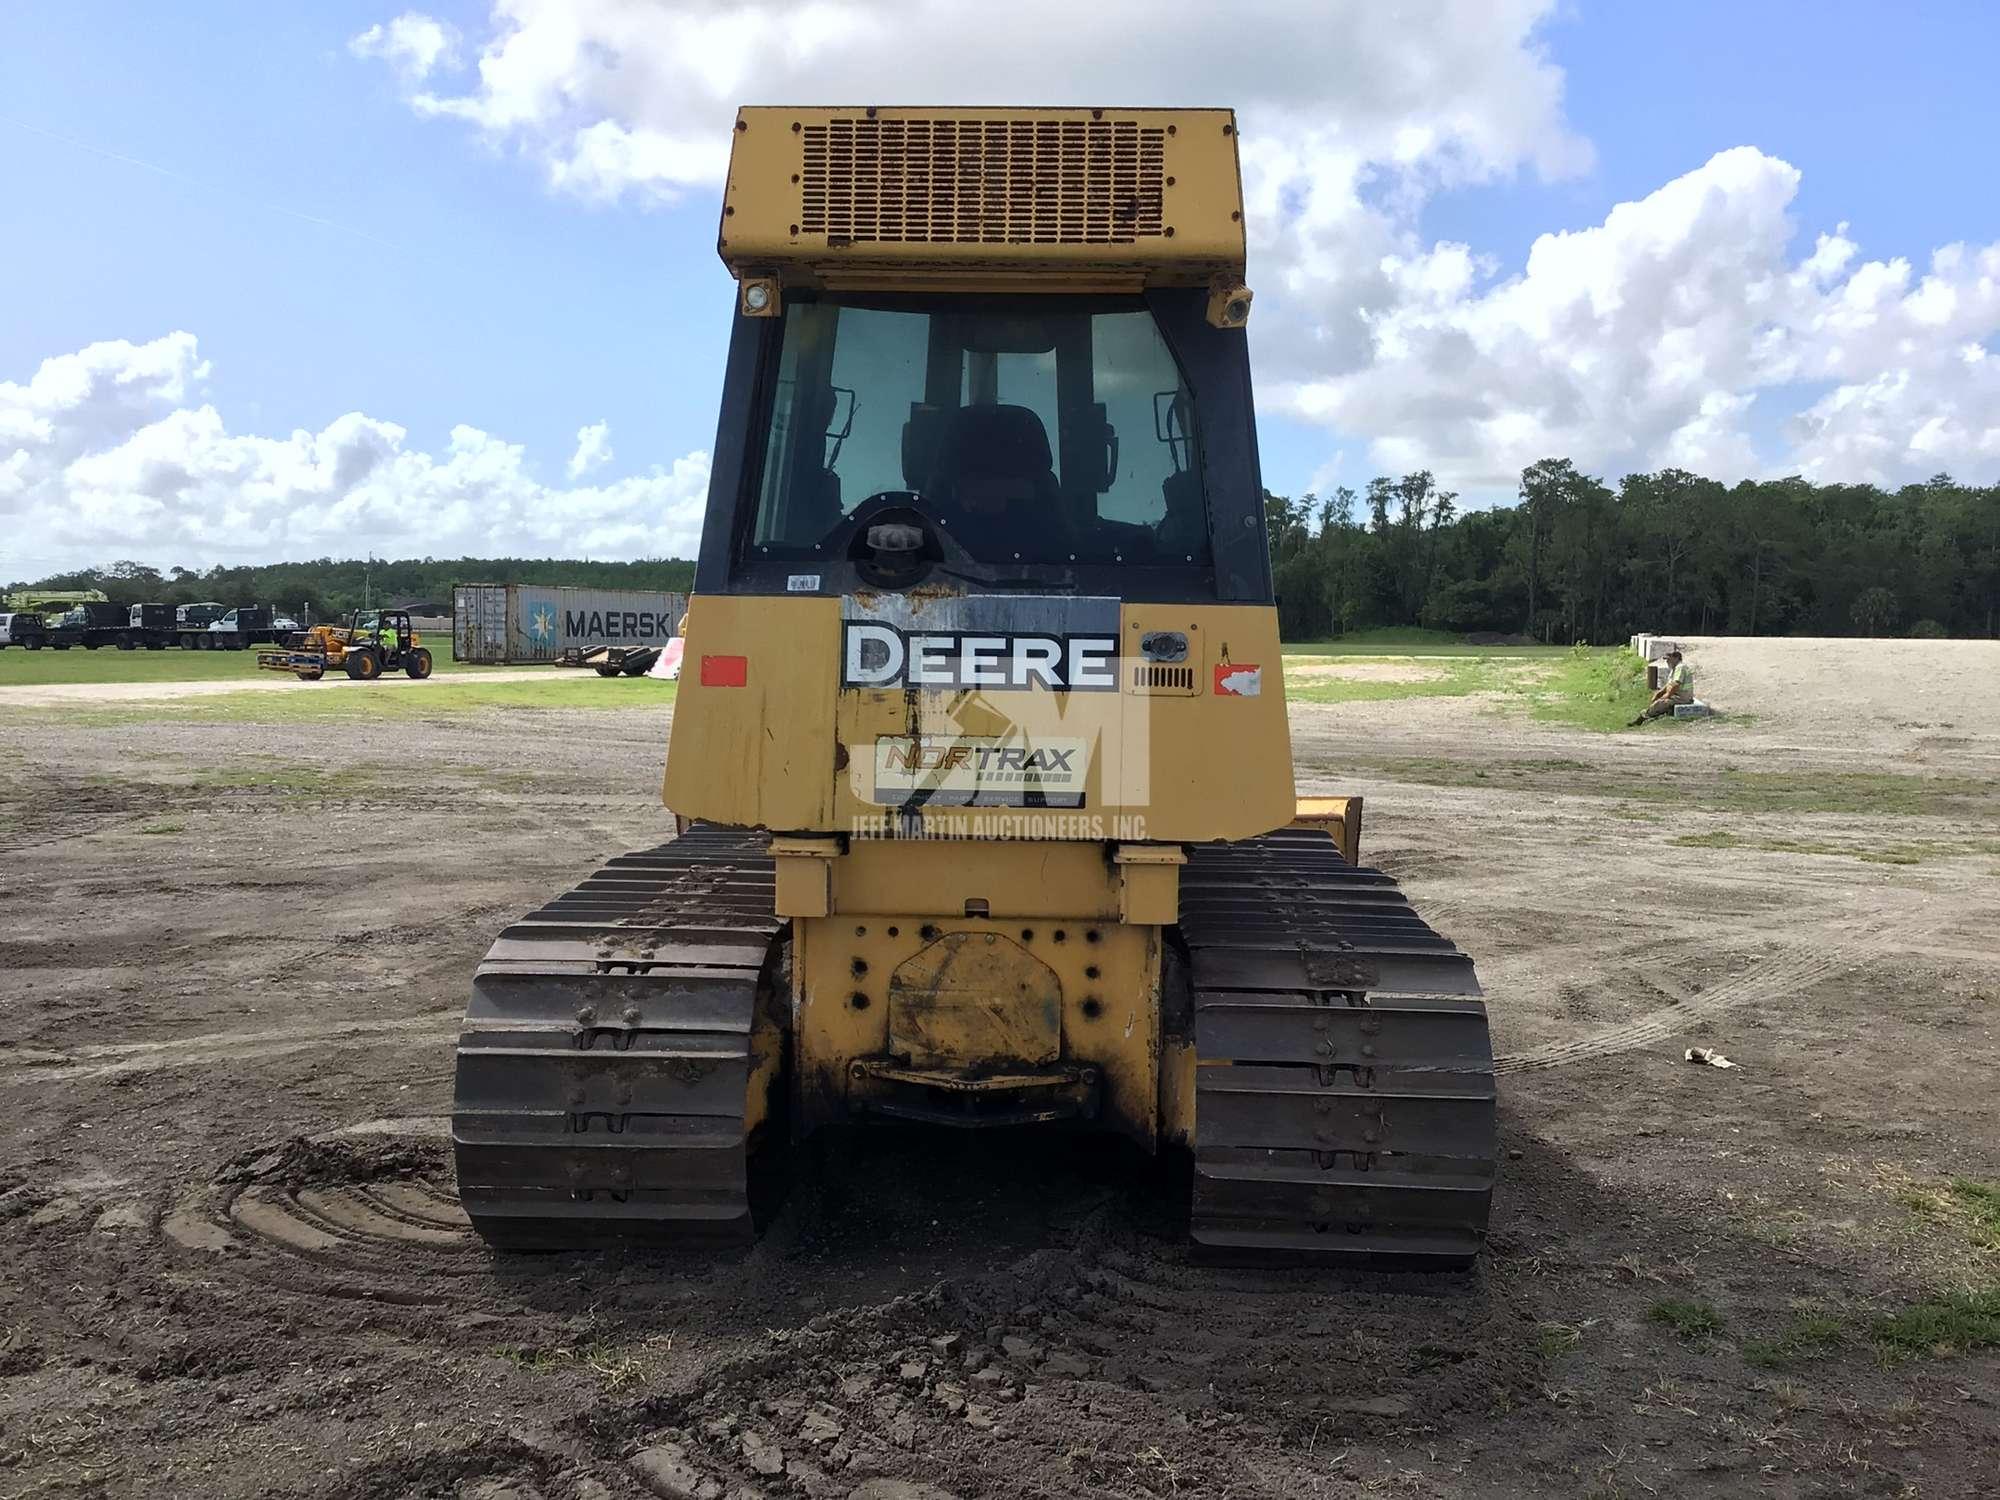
{"points": [[513, 623]]}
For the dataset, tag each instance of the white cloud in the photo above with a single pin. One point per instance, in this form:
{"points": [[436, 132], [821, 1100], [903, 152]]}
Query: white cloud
{"points": [[1353, 114], [414, 45], [110, 452], [1908, 423], [1647, 339], [618, 97], [1632, 338], [593, 449]]}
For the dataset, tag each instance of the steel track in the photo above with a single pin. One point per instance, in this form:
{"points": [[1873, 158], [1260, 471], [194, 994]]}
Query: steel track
{"points": [[604, 1069], [1344, 1101], [1344, 1094]]}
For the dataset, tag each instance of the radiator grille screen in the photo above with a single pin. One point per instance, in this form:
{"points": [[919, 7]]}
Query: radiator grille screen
{"points": [[983, 182]]}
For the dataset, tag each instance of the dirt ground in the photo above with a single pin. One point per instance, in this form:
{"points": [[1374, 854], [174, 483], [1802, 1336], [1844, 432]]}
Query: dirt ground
{"points": [[49, 694], [234, 1266]]}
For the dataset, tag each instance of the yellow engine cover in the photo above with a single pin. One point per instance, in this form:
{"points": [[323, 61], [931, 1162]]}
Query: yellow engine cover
{"points": [[1055, 199]]}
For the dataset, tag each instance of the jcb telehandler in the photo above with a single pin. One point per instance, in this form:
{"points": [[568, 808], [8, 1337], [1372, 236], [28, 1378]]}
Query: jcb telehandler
{"points": [[982, 738], [370, 643]]}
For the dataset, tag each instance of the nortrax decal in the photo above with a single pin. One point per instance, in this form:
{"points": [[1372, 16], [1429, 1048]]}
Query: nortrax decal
{"points": [[980, 770], [877, 655]]}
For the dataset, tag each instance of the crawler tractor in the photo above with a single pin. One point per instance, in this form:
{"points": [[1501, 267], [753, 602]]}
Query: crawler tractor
{"points": [[980, 747]]}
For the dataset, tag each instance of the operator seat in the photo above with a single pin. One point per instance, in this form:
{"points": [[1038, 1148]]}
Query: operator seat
{"points": [[993, 479]]}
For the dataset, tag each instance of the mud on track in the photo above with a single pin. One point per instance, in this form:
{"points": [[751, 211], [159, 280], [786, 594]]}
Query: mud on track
{"points": [[236, 1267]]}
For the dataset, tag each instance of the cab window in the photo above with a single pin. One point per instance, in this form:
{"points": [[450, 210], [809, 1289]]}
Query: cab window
{"points": [[1033, 429]]}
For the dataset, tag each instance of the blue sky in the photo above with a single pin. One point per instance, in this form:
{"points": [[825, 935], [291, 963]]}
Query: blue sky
{"points": [[237, 171]]}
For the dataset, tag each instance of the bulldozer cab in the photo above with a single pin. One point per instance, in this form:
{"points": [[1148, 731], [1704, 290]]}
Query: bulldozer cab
{"points": [[1013, 436], [991, 443]]}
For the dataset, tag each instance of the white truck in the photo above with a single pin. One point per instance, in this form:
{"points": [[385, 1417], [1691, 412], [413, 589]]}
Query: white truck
{"points": [[24, 628]]}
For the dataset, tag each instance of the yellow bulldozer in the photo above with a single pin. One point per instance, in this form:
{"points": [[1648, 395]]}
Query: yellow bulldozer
{"points": [[980, 748], [370, 643]]}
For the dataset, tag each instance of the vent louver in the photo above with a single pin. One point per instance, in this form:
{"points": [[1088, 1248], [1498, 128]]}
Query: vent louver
{"points": [[1154, 679], [982, 182]]}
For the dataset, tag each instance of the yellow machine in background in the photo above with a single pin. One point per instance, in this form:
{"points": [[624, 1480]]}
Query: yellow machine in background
{"points": [[982, 734], [370, 643]]}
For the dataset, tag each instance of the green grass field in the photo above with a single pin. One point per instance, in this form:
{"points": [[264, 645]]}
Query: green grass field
{"points": [[1458, 677], [19, 668], [462, 693], [1600, 688], [1591, 688], [1404, 641]]}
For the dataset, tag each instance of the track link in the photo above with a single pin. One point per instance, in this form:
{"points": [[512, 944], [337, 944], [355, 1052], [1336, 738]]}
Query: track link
{"points": [[608, 1054], [1344, 1103]]}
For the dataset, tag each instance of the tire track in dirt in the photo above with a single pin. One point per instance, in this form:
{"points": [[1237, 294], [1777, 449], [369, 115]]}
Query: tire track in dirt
{"points": [[105, 1060], [1773, 980]]}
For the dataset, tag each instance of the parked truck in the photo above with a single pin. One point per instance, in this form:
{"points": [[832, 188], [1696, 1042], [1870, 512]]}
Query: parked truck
{"points": [[247, 625], [89, 626], [24, 628], [149, 625], [191, 620]]}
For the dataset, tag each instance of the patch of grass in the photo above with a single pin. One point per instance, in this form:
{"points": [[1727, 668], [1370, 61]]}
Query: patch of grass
{"points": [[1410, 641], [1810, 1336], [1944, 1325], [1896, 854], [1600, 688], [1939, 1327], [615, 1365], [164, 828], [1981, 1202], [109, 664], [463, 694], [1554, 1340], [1972, 1205], [1687, 1319], [1727, 789], [1855, 793], [1716, 840], [1457, 680]]}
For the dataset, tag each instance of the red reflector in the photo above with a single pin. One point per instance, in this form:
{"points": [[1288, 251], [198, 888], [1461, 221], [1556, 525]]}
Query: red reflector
{"points": [[725, 671]]}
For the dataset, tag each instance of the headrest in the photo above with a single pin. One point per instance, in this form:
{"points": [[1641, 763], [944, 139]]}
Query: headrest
{"points": [[997, 440]]}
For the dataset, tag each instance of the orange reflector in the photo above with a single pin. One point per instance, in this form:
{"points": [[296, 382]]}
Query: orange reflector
{"points": [[725, 671]]}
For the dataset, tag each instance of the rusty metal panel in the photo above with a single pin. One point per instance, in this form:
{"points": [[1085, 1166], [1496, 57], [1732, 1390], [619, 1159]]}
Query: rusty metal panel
{"points": [[975, 1000], [479, 622]]}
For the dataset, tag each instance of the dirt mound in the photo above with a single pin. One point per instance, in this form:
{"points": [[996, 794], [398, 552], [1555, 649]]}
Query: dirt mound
{"points": [[305, 1161]]}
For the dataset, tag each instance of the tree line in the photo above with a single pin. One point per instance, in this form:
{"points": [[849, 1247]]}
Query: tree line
{"points": [[332, 587], [1576, 560]]}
